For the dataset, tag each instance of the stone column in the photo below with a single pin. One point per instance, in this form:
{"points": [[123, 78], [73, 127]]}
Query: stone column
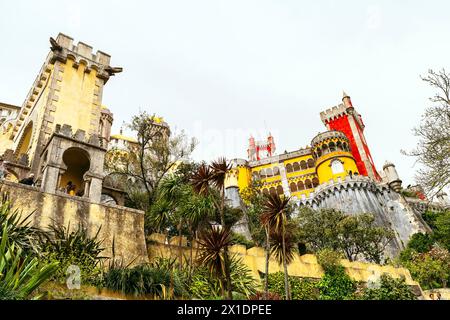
{"points": [[50, 179], [95, 189]]}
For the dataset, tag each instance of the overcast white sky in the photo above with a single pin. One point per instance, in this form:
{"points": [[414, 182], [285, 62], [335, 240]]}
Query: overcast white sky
{"points": [[224, 69]]}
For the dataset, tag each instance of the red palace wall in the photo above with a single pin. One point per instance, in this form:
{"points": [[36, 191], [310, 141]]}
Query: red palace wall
{"points": [[342, 124]]}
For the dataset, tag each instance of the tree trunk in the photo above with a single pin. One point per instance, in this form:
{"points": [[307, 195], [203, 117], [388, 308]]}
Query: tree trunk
{"points": [[266, 276], [227, 260], [180, 251], [286, 275]]}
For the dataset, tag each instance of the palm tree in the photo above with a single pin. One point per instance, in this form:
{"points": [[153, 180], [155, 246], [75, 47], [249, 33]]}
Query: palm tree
{"points": [[215, 175], [274, 221], [213, 242], [219, 168]]}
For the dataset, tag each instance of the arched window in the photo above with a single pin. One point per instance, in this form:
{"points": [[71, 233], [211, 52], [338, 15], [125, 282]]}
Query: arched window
{"points": [[293, 187], [303, 165], [265, 191], [296, 166], [345, 147], [273, 191], [289, 167], [339, 146], [332, 146], [262, 173], [308, 184], [315, 182], [319, 153], [325, 149], [269, 172], [276, 171], [300, 185], [280, 190], [311, 163], [337, 166]]}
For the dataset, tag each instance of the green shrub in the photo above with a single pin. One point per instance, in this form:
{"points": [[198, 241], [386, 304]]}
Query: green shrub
{"points": [[73, 248], [329, 259], [237, 238], [336, 285], [389, 289], [204, 286], [145, 280], [421, 242], [20, 274], [301, 289]]}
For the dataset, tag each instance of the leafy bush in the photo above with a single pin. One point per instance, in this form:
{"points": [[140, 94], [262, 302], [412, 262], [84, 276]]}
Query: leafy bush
{"points": [[328, 259], [73, 248], [262, 296], [420, 242], [301, 289], [430, 269], [204, 286], [389, 289], [20, 232], [336, 285], [237, 238], [145, 280]]}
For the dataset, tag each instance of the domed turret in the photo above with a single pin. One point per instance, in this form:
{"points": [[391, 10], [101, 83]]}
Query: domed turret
{"points": [[334, 160], [392, 177]]}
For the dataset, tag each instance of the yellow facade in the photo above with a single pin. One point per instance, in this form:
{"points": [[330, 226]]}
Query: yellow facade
{"points": [[325, 171], [75, 105]]}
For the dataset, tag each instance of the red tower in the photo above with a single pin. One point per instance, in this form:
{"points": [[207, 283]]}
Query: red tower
{"points": [[261, 149], [344, 118]]}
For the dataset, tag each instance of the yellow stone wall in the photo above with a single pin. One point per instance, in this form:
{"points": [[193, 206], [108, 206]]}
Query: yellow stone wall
{"points": [[123, 225], [302, 266]]}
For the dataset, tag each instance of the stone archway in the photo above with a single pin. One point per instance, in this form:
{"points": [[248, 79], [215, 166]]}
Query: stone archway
{"points": [[78, 163]]}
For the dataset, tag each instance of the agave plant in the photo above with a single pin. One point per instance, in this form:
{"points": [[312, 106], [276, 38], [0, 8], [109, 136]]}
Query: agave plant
{"points": [[20, 275], [20, 231], [73, 247]]}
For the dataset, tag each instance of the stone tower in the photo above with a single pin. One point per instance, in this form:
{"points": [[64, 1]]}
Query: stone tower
{"points": [[62, 131], [346, 119], [392, 177], [68, 90]]}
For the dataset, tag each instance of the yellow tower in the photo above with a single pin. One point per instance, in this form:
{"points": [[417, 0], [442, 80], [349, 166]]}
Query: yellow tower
{"points": [[67, 91], [334, 160]]}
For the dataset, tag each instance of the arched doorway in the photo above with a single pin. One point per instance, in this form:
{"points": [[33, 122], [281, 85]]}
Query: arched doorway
{"points": [[25, 140], [78, 163]]}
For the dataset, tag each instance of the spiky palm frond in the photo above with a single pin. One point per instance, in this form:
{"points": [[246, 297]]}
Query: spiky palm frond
{"points": [[212, 243], [276, 246], [20, 275], [20, 231], [201, 179], [219, 169], [273, 215]]}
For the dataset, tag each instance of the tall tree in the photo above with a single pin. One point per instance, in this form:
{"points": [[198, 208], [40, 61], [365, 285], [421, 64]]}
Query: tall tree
{"points": [[147, 161], [274, 219], [356, 236], [433, 148], [204, 181]]}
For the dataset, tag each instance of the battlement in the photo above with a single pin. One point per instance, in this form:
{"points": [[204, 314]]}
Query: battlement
{"points": [[79, 136], [333, 113], [82, 49]]}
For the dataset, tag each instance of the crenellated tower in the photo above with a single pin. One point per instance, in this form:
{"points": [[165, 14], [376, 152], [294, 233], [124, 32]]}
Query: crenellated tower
{"points": [[67, 91], [346, 119]]}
